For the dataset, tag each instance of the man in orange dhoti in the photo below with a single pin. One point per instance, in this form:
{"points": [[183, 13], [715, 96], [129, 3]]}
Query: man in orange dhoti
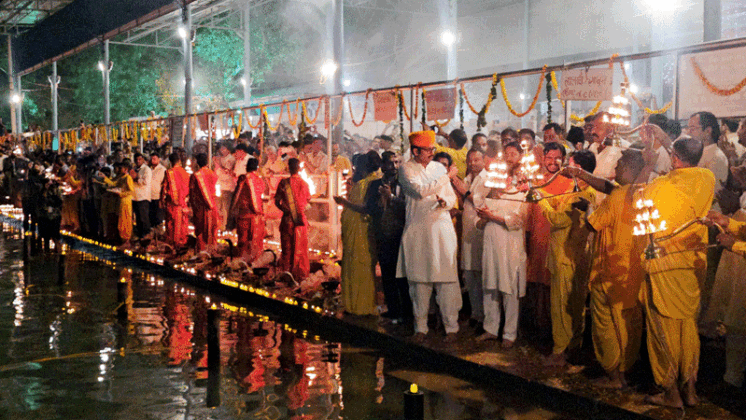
{"points": [[174, 193], [292, 197], [202, 200], [248, 207]]}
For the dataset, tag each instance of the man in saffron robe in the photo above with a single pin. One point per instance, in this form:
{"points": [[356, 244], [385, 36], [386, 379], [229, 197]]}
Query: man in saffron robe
{"points": [[671, 293], [248, 207], [124, 187], [203, 201], [174, 193], [292, 197]]}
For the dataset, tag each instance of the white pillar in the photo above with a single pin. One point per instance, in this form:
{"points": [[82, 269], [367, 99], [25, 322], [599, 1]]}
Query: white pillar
{"points": [[186, 19], [246, 81]]}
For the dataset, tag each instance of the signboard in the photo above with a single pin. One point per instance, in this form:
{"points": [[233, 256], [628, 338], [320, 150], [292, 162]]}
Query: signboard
{"points": [[587, 84], [386, 108], [440, 103], [177, 130], [724, 69]]}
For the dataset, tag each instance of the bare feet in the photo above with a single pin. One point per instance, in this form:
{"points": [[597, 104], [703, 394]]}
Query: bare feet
{"points": [[669, 398], [486, 337], [418, 338], [690, 394], [613, 380], [555, 359], [450, 338], [508, 344]]}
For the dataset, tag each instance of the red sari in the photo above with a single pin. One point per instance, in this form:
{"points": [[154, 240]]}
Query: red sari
{"points": [[292, 197], [203, 202], [249, 210], [174, 192]]}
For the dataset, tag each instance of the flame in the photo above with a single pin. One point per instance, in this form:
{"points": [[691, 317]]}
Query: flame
{"points": [[303, 174]]}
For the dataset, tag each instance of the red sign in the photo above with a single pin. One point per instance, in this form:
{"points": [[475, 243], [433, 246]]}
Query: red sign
{"points": [[386, 106], [441, 103]]}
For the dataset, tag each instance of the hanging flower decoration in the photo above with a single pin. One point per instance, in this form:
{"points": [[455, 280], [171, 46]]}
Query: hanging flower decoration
{"points": [[415, 108], [424, 109], [326, 113], [637, 100], [315, 117], [402, 111], [340, 113], [712, 88], [548, 78], [365, 109], [461, 109], [292, 118], [533, 102], [266, 118], [248, 120], [482, 115]]}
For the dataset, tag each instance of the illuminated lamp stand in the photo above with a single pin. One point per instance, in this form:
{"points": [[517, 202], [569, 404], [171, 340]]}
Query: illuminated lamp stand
{"points": [[414, 403]]}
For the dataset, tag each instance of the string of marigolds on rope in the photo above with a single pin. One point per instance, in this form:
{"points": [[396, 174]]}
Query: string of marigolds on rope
{"points": [[639, 102], [548, 77], [424, 109], [533, 102], [340, 112], [294, 119], [417, 88], [266, 118], [309, 120], [482, 114], [402, 110], [461, 109], [365, 109], [714, 89]]}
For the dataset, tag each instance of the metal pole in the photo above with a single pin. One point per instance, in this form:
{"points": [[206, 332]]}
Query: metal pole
{"points": [[19, 106], [712, 20], [246, 54], [105, 72], [54, 81], [186, 18], [11, 83], [339, 48]]}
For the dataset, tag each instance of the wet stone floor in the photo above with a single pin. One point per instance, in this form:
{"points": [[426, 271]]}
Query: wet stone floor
{"points": [[110, 342]]}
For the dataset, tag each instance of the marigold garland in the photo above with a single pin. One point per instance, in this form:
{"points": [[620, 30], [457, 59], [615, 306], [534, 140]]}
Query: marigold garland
{"points": [[294, 119], [315, 117], [638, 101], [533, 102], [365, 109], [266, 118], [403, 105], [468, 102], [248, 120], [714, 89]]}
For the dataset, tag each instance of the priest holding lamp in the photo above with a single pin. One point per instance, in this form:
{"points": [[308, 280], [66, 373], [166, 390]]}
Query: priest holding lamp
{"points": [[427, 256]]}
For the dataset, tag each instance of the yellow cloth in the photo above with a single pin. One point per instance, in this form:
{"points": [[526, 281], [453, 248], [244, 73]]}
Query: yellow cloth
{"points": [[616, 275], [673, 344], [127, 188], [617, 331], [680, 196], [458, 157], [567, 261], [358, 264], [341, 163], [671, 292], [616, 251], [738, 229]]}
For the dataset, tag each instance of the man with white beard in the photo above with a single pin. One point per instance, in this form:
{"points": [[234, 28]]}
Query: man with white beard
{"points": [[427, 255]]}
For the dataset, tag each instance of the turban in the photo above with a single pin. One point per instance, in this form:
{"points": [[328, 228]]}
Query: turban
{"points": [[423, 139]]}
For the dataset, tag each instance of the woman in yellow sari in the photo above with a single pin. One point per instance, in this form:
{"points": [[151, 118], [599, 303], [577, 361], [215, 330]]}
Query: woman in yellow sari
{"points": [[71, 192], [358, 263]]}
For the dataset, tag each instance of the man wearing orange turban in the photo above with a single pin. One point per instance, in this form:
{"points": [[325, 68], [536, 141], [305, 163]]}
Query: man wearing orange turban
{"points": [[427, 255]]}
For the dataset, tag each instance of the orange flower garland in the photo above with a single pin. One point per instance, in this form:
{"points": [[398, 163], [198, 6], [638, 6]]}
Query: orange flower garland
{"points": [[305, 111], [365, 109], [248, 120], [533, 102], [638, 101], [714, 89]]}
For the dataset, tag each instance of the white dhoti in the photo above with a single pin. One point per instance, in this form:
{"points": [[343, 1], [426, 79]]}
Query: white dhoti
{"points": [[448, 296]]}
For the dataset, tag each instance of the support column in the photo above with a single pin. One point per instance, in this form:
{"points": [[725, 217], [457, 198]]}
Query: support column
{"points": [[19, 105], [105, 72], [712, 20], [186, 19], [452, 54], [11, 88], [54, 82], [338, 52], [246, 81]]}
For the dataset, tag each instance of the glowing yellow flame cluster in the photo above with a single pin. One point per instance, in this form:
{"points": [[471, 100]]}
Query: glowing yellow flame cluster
{"points": [[619, 110], [497, 174], [647, 219], [530, 169]]}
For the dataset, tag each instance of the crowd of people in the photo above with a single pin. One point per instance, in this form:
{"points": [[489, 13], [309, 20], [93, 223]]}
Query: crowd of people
{"points": [[465, 219]]}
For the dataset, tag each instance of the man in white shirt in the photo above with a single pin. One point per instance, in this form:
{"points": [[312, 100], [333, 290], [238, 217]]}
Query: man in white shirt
{"points": [[158, 173], [703, 126], [315, 161], [428, 251], [242, 154], [142, 176], [473, 190], [224, 166]]}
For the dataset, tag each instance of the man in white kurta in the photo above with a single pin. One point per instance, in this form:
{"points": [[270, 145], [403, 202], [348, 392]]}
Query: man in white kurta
{"points": [[428, 251], [504, 265], [471, 237]]}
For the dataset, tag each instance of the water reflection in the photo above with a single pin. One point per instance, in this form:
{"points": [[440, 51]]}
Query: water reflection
{"points": [[112, 342]]}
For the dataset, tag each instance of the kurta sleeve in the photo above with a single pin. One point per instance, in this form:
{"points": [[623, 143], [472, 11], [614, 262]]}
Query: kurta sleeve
{"points": [[419, 189], [559, 217], [515, 217]]}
